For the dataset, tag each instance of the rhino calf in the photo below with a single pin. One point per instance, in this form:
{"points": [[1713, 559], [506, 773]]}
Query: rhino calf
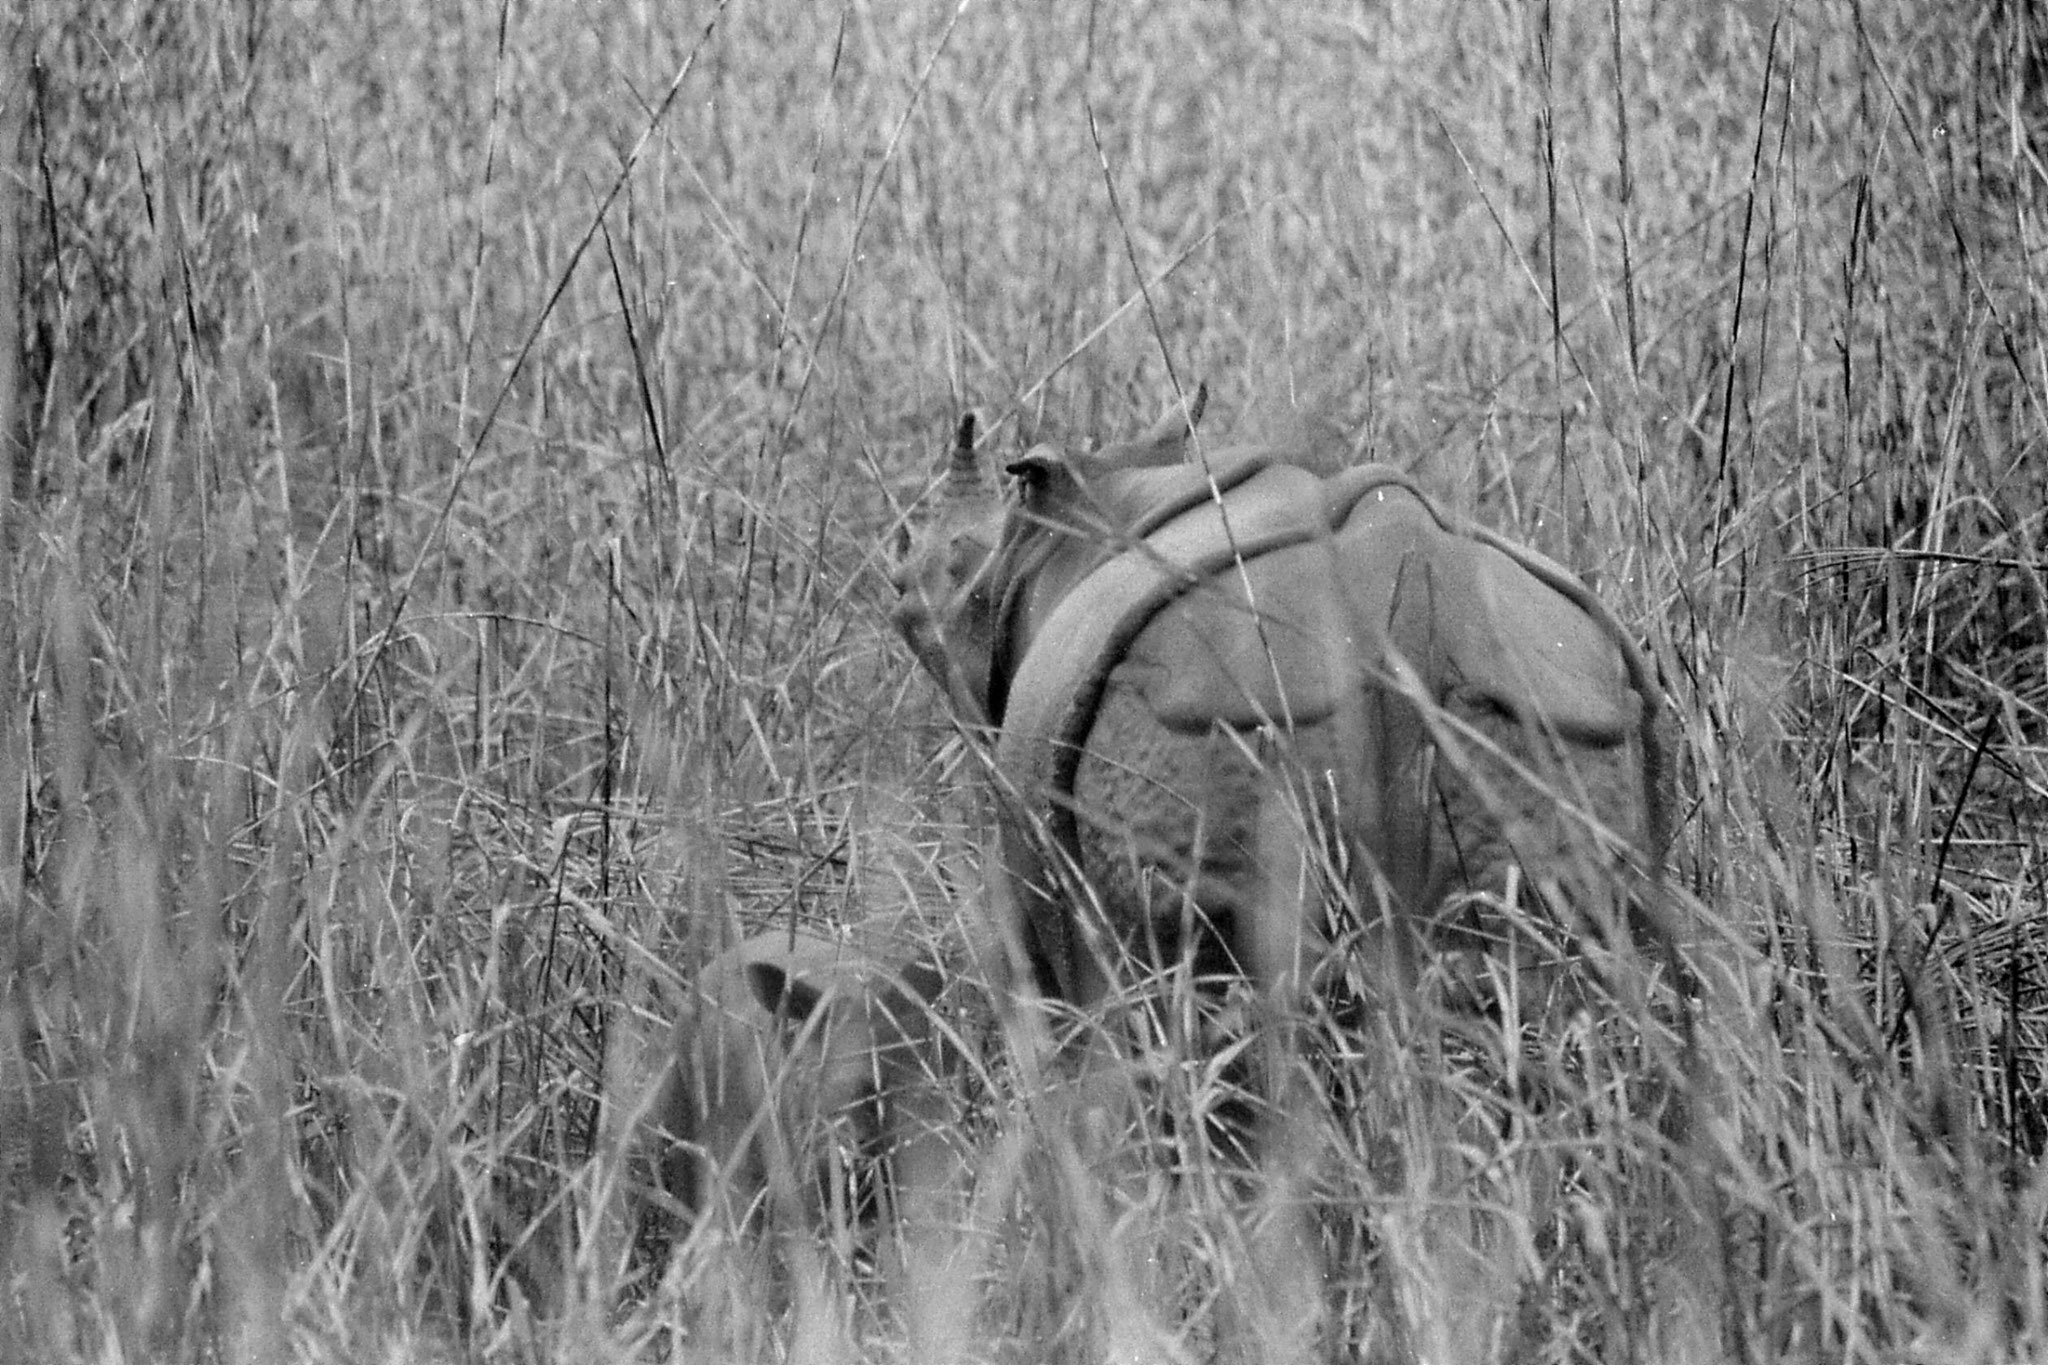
{"points": [[794, 1055]]}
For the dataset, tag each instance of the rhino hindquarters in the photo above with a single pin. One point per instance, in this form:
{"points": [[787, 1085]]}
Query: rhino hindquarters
{"points": [[1535, 853]]}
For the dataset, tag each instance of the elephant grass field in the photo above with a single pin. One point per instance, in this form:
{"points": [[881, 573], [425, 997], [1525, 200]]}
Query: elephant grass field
{"points": [[457, 456]]}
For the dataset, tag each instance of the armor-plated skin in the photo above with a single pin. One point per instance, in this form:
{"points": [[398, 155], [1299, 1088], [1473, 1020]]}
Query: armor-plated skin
{"points": [[1210, 689], [1343, 619]]}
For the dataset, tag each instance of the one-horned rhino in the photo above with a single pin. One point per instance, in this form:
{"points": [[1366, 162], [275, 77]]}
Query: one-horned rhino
{"points": [[1238, 695]]}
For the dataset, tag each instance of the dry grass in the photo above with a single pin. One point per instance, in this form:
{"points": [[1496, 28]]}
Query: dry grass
{"points": [[453, 453]]}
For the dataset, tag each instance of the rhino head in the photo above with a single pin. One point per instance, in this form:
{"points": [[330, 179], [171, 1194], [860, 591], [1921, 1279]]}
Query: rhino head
{"points": [[828, 1036], [973, 588]]}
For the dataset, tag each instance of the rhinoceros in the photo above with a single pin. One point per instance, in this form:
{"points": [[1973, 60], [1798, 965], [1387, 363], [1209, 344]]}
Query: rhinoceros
{"points": [[793, 1049], [1238, 698]]}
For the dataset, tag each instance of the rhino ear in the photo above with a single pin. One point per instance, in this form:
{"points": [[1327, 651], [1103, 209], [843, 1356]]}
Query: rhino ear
{"points": [[1196, 406], [1039, 469], [782, 993], [1047, 480], [1166, 440]]}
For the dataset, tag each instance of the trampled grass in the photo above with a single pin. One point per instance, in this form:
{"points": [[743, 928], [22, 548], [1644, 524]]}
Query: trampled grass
{"points": [[454, 458]]}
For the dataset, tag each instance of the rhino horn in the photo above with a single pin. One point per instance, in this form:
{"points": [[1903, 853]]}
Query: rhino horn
{"points": [[963, 469]]}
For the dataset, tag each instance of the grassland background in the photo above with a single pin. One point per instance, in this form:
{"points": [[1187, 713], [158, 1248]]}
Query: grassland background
{"points": [[454, 450]]}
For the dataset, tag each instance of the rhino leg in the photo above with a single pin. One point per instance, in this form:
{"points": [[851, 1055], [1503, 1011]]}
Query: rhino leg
{"points": [[1532, 929], [1559, 822], [932, 1253], [935, 1255], [1282, 1315], [1207, 856]]}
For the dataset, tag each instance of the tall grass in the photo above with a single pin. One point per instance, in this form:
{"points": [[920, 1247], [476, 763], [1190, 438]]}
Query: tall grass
{"points": [[452, 452]]}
